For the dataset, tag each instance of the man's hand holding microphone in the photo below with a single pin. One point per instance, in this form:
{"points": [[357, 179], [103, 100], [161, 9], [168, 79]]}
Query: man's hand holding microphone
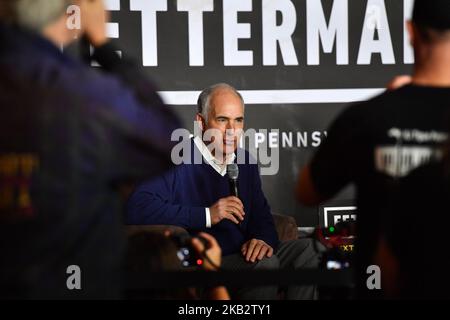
{"points": [[230, 208]]}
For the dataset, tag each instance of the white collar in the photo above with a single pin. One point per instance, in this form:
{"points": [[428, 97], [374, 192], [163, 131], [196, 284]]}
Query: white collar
{"points": [[210, 159]]}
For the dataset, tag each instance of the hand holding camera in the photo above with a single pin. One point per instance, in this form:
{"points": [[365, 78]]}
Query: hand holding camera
{"points": [[207, 247], [201, 251], [93, 19]]}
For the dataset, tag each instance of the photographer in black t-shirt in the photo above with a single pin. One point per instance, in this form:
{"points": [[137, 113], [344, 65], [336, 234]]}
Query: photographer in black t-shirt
{"points": [[412, 251], [377, 143]]}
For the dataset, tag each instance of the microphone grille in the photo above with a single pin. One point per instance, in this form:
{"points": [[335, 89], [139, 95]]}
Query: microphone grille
{"points": [[233, 171]]}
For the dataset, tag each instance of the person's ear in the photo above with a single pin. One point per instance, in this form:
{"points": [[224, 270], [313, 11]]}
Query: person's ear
{"points": [[411, 31], [200, 121]]}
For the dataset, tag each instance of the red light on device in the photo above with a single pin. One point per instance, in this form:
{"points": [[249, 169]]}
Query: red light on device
{"points": [[199, 262]]}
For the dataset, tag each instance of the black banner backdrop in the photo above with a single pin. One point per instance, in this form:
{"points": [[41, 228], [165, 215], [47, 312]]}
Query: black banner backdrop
{"points": [[298, 63]]}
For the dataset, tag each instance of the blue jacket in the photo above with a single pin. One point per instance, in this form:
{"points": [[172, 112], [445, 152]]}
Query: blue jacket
{"points": [[71, 135]]}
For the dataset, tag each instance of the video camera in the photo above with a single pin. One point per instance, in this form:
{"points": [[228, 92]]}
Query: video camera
{"points": [[339, 242]]}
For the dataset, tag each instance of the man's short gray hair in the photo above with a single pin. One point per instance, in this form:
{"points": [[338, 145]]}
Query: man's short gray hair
{"points": [[37, 14], [203, 103]]}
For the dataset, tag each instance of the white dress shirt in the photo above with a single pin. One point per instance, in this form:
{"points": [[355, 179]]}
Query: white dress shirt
{"points": [[219, 167]]}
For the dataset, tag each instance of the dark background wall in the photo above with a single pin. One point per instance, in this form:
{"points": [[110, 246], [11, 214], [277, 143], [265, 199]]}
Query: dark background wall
{"points": [[173, 73]]}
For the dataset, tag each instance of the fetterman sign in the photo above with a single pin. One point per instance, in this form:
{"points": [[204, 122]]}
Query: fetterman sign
{"points": [[278, 29]]}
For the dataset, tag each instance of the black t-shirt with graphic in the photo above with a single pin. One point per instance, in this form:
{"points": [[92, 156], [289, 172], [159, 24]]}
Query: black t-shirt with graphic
{"points": [[418, 232], [374, 145]]}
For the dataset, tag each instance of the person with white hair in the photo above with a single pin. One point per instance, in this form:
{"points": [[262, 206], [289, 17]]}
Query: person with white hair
{"points": [[70, 138]]}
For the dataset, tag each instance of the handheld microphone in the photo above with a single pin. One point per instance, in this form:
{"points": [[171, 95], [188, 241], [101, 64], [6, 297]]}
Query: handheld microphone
{"points": [[233, 174]]}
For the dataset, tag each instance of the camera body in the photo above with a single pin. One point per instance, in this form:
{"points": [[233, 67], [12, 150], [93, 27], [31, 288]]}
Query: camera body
{"points": [[188, 256]]}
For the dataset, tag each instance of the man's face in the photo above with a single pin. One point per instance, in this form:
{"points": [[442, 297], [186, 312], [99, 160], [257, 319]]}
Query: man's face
{"points": [[227, 116]]}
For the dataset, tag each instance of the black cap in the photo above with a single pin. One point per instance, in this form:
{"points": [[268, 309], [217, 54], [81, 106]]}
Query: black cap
{"points": [[434, 14]]}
